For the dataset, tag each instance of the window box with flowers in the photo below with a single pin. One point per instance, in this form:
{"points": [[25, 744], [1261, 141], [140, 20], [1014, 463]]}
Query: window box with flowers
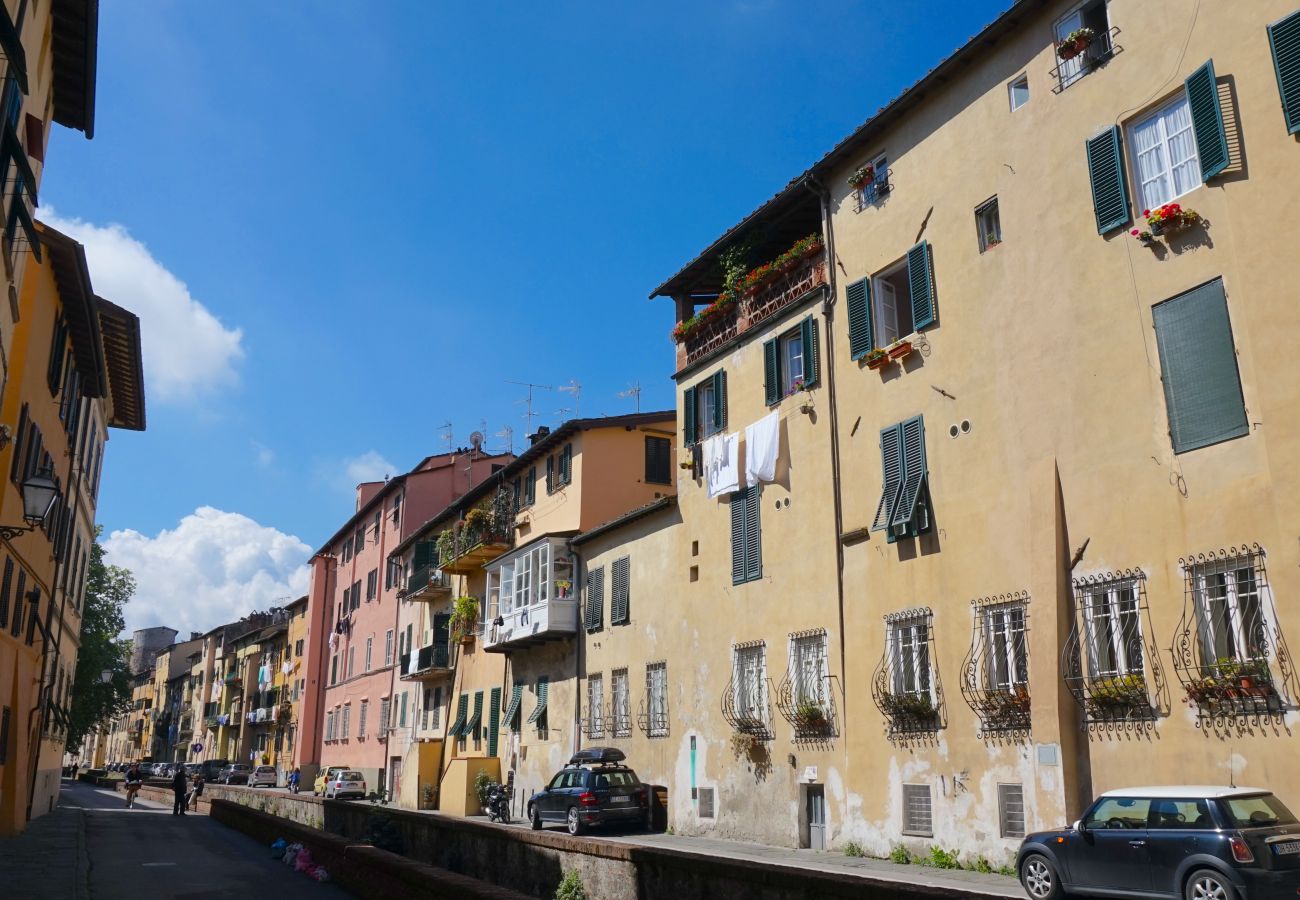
{"points": [[1075, 43], [899, 350], [1166, 221], [877, 359]]}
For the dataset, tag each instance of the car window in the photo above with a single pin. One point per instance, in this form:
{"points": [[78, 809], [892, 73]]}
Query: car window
{"points": [[1261, 811], [616, 779], [1180, 814], [351, 776], [1119, 812], [557, 782]]}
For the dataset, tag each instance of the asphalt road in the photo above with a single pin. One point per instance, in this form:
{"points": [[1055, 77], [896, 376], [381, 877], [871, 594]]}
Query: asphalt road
{"points": [[148, 852]]}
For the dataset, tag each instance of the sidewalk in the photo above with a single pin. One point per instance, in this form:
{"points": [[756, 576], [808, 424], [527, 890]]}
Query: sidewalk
{"points": [[49, 859]]}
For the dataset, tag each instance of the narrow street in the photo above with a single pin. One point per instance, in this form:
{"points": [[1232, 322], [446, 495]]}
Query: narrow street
{"points": [[148, 852]]}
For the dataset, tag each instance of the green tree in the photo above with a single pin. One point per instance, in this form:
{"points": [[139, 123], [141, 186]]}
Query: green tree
{"points": [[108, 588]]}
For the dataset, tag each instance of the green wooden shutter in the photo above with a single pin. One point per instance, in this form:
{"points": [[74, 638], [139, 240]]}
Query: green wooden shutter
{"points": [[720, 400], [1198, 366], [891, 464], [920, 282], [531, 490], [566, 464], [690, 416], [772, 371], [858, 295], [914, 472], [441, 629], [1207, 121], [550, 474], [423, 554], [620, 570], [811, 345], [753, 536], [512, 711], [494, 721], [1109, 188], [1284, 39], [739, 512], [595, 599]]}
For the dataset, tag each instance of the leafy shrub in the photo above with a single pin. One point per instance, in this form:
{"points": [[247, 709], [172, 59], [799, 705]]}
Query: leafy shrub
{"points": [[900, 855], [982, 866], [852, 848], [1007, 870], [481, 782], [570, 887], [942, 859]]}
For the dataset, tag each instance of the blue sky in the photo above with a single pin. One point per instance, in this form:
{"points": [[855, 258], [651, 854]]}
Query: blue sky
{"points": [[350, 223]]}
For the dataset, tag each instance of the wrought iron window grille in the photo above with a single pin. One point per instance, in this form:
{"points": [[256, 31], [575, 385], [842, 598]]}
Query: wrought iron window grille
{"points": [[597, 722], [747, 708], [1110, 661], [1096, 55], [652, 718], [995, 672], [1229, 654], [918, 710], [805, 696], [872, 193]]}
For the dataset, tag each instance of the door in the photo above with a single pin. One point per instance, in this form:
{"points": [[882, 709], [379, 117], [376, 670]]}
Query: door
{"points": [[816, 800], [550, 804], [397, 777], [1177, 829], [1112, 851], [887, 308]]}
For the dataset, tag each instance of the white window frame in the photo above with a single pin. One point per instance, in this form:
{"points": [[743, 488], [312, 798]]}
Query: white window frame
{"points": [[347, 721], [791, 350], [987, 214], [869, 194], [388, 647], [620, 697], [809, 671], [656, 678], [1237, 619], [370, 646], [749, 673], [1071, 70], [706, 400], [1021, 80], [1005, 637], [1111, 605], [910, 664], [596, 705], [361, 718], [878, 305], [1160, 116]]}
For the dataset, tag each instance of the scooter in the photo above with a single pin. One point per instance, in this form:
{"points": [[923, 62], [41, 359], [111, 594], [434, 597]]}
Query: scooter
{"points": [[498, 804]]}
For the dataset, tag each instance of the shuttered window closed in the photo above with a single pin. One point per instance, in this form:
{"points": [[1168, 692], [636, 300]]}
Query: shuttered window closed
{"points": [[746, 538], [595, 599], [620, 597]]}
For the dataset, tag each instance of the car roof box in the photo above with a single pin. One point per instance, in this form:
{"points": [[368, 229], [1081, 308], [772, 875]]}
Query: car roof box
{"points": [[598, 755]]}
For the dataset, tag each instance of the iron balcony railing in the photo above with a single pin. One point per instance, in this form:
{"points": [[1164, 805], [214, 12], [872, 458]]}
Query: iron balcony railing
{"points": [[428, 581], [1096, 54], [427, 659]]}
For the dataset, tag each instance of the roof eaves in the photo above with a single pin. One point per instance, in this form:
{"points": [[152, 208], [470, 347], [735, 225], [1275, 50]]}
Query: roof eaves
{"points": [[626, 519]]}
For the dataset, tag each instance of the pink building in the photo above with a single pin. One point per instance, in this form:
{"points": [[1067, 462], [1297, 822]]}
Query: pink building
{"points": [[352, 640]]}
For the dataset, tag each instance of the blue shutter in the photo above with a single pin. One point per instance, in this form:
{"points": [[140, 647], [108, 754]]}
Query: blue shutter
{"points": [[720, 400], [811, 369], [1284, 40], [772, 371], [914, 471], [595, 599], [753, 537], [920, 282], [891, 464], [690, 417], [739, 512], [1198, 366], [858, 295], [1109, 189], [1207, 121]]}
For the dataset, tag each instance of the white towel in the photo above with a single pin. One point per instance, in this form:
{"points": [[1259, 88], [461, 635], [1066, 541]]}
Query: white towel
{"points": [[762, 447], [722, 464]]}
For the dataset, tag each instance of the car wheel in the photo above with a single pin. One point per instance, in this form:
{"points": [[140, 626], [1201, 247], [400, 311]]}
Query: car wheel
{"points": [[1207, 884], [572, 822], [1039, 878], [534, 817]]}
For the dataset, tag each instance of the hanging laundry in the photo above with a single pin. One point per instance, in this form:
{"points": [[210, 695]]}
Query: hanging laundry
{"points": [[762, 447], [722, 464], [287, 667], [334, 640], [414, 665]]}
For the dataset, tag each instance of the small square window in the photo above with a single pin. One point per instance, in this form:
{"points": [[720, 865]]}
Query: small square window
{"points": [[916, 810], [1011, 810], [988, 224], [1018, 91]]}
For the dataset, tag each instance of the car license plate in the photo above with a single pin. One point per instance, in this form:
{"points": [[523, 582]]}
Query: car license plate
{"points": [[618, 798], [1287, 849]]}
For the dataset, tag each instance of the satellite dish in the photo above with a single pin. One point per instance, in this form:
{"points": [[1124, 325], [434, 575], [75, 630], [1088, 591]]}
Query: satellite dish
{"points": [[476, 440]]}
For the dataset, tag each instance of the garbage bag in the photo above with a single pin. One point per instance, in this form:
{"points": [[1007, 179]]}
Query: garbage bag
{"points": [[320, 874], [277, 849], [303, 861]]}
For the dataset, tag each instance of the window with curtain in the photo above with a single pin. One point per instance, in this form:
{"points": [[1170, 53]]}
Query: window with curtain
{"points": [[1164, 146]]}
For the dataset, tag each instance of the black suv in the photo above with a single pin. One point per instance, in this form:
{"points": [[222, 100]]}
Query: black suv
{"points": [[593, 789], [1194, 842]]}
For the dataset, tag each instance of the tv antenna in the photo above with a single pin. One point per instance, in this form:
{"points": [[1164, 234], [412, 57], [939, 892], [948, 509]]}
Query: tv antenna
{"points": [[529, 415], [634, 391], [509, 434], [445, 427], [574, 388]]}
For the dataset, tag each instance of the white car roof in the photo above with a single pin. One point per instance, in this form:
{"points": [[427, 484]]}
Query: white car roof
{"points": [[1185, 791]]}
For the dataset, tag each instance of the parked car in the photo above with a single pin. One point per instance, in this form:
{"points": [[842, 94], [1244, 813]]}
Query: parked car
{"points": [[593, 789], [236, 773], [263, 776], [323, 779], [345, 783], [212, 768], [1192, 841]]}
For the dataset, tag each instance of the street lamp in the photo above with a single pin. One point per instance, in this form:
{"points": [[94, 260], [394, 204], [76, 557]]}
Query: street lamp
{"points": [[39, 494], [106, 676]]}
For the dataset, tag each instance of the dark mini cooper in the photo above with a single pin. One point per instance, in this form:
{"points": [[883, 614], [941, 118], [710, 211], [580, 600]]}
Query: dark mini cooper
{"points": [[593, 789], [1189, 841]]}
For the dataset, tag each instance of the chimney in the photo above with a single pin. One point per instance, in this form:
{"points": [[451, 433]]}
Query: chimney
{"points": [[542, 431]]}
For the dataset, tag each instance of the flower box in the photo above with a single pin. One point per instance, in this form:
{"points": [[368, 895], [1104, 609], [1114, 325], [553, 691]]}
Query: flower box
{"points": [[900, 350], [862, 177], [1075, 43], [877, 359], [1166, 221]]}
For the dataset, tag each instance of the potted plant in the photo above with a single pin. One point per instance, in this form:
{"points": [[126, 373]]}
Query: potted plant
{"points": [[809, 715], [796, 386], [863, 176], [464, 617], [426, 794], [477, 520], [1167, 220], [446, 545], [899, 350], [1075, 43], [877, 359]]}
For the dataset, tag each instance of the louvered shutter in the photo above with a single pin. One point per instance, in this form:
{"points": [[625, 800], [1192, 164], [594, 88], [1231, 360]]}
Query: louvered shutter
{"points": [[690, 416], [550, 474], [772, 371], [811, 342], [531, 490], [914, 471], [891, 464], [1198, 366], [920, 282], [858, 295], [423, 554], [462, 712], [720, 400], [620, 569], [566, 464], [494, 721], [739, 509], [1284, 39], [441, 630], [1207, 121], [753, 537], [1109, 189], [595, 599]]}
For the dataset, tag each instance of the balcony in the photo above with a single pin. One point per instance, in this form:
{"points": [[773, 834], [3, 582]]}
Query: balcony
{"points": [[427, 583], [531, 597], [426, 664], [485, 534], [1095, 55]]}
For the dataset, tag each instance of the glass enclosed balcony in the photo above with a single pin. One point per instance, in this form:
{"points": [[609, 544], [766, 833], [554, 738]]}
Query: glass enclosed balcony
{"points": [[532, 596]]}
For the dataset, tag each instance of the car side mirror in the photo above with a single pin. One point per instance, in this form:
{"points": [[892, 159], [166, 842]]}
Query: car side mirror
{"points": [[1079, 826]]}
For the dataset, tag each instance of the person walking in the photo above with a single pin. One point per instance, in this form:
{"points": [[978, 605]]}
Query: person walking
{"points": [[196, 791], [134, 780], [294, 778], [178, 792]]}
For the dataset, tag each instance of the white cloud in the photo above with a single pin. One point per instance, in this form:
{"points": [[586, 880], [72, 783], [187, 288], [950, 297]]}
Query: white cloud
{"points": [[263, 454], [213, 567], [187, 351], [369, 466]]}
